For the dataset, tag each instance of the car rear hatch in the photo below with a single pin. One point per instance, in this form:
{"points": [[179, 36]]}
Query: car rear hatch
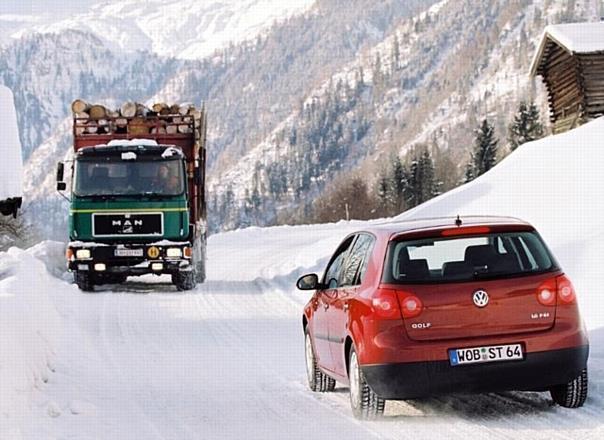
{"points": [[473, 285]]}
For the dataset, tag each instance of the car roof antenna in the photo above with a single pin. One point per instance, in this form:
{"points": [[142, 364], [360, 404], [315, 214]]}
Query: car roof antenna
{"points": [[458, 221]]}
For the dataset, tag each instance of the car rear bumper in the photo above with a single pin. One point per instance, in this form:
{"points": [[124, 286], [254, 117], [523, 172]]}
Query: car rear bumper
{"points": [[537, 372]]}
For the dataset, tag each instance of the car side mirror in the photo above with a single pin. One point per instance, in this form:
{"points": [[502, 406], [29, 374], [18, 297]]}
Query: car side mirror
{"points": [[308, 282], [61, 186], [60, 172]]}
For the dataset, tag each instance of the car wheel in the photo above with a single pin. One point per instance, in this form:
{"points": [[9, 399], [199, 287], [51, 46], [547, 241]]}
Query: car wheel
{"points": [[572, 394], [365, 403], [317, 380]]}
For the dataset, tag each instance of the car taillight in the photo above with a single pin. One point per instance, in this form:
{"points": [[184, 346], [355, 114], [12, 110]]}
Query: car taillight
{"points": [[385, 304], [566, 291], [411, 305], [69, 254], [546, 293]]}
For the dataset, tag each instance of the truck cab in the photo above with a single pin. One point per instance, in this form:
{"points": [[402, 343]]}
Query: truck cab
{"points": [[136, 207]]}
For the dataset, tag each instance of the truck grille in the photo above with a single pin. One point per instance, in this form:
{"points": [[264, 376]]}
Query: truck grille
{"points": [[124, 225]]}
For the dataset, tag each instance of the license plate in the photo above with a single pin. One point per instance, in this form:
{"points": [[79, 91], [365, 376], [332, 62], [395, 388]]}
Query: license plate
{"points": [[128, 252], [492, 353]]}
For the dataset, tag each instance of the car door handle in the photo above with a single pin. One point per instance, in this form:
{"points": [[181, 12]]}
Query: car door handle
{"points": [[346, 306]]}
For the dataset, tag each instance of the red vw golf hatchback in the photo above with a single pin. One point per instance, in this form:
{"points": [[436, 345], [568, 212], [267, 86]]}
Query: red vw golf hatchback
{"points": [[439, 306]]}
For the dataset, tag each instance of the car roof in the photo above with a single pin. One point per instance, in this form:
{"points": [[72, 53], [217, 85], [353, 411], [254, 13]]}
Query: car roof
{"points": [[426, 224]]}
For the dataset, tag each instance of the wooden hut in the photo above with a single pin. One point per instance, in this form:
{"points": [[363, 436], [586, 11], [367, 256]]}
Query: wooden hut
{"points": [[570, 59]]}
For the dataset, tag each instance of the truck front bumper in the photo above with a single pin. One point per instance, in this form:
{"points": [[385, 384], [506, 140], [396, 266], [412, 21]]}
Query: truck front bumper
{"points": [[130, 259]]}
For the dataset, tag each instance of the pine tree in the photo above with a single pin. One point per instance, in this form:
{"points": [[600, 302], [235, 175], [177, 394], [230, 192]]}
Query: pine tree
{"points": [[484, 156], [526, 126], [421, 182]]}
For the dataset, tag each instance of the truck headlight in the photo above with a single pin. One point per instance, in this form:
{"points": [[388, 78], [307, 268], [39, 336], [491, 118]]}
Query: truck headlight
{"points": [[174, 253], [82, 254]]}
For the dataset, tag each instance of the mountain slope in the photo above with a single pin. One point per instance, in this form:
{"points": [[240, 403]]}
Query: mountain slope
{"points": [[174, 28]]}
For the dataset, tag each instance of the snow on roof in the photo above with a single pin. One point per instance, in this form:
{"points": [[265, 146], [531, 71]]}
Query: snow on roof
{"points": [[574, 37], [10, 147]]}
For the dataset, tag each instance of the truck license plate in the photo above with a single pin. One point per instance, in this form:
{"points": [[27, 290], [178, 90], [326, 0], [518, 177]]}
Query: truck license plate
{"points": [[493, 353], [128, 252]]}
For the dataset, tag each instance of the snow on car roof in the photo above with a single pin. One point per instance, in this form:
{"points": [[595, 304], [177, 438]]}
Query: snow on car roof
{"points": [[574, 37]]}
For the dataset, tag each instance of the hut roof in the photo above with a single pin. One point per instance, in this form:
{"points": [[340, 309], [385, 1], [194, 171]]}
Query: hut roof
{"points": [[576, 38]]}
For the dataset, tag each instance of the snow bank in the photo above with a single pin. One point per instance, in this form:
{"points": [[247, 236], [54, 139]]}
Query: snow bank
{"points": [[10, 147], [29, 332]]}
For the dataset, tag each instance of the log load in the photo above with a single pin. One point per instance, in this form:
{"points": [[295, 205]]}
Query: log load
{"points": [[136, 119]]}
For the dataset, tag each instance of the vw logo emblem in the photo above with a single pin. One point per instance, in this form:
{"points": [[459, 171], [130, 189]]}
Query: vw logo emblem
{"points": [[480, 298]]}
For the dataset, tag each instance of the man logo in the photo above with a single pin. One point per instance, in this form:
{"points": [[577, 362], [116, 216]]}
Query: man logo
{"points": [[481, 298]]}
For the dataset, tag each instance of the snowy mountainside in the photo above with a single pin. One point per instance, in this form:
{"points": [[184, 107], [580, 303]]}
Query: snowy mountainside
{"points": [[245, 92], [280, 132], [174, 28], [427, 82]]}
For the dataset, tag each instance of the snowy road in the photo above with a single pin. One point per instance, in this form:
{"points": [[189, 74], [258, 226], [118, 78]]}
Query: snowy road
{"points": [[226, 361]]}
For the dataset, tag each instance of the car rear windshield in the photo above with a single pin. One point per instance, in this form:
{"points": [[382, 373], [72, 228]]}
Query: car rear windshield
{"points": [[438, 260]]}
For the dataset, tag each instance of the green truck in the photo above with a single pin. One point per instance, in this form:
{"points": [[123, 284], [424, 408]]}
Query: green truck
{"points": [[137, 197]]}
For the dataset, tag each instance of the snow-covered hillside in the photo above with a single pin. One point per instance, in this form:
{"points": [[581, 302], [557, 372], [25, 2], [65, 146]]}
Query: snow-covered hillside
{"points": [[226, 361], [174, 28]]}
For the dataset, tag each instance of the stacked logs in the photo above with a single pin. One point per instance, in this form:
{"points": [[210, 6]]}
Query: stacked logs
{"points": [[137, 119]]}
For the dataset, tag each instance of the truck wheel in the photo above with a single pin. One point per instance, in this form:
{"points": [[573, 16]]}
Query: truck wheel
{"points": [[84, 280], [572, 394], [317, 380], [184, 280], [364, 402]]}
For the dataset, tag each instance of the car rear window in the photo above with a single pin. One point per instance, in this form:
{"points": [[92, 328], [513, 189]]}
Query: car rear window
{"points": [[467, 258]]}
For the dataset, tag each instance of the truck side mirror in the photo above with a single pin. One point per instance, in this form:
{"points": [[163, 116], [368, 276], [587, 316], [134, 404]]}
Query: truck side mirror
{"points": [[61, 186], [60, 173]]}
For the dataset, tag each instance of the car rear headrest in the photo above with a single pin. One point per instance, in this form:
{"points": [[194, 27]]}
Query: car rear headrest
{"points": [[457, 269], [483, 255], [414, 269]]}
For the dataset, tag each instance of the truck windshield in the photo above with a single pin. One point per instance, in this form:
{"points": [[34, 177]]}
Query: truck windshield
{"points": [[438, 260], [115, 177]]}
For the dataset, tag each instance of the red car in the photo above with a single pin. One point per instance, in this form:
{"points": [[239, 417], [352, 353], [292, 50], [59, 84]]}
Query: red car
{"points": [[440, 306]]}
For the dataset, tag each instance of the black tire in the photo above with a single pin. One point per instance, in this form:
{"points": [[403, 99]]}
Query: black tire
{"points": [[573, 394], [317, 380], [365, 404], [184, 280], [84, 280]]}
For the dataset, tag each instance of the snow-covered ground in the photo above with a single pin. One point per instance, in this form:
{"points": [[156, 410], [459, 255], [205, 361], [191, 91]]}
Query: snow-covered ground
{"points": [[226, 361]]}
